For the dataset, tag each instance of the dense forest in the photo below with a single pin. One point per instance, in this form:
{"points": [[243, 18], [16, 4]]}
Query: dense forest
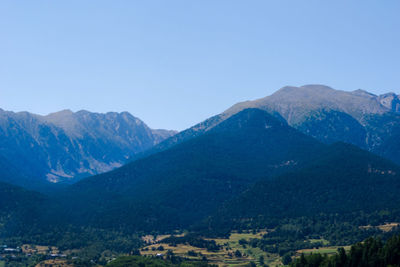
{"points": [[370, 253], [138, 261], [359, 186], [182, 185]]}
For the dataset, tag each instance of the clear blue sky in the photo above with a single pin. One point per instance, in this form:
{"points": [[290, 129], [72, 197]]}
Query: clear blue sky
{"points": [[175, 63]]}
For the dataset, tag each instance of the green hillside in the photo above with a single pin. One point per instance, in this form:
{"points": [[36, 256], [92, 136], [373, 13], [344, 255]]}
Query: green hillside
{"points": [[344, 180], [177, 187]]}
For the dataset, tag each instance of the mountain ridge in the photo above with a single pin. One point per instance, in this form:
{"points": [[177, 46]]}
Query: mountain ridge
{"points": [[63, 145], [322, 112], [316, 96], [190, 179]]}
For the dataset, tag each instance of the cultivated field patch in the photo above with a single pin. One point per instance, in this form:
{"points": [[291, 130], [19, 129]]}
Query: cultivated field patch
{"points": [[226, 256]]}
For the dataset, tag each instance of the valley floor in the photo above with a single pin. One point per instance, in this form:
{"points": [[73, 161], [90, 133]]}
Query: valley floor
{"points": [[238, 249], [226, 256]]}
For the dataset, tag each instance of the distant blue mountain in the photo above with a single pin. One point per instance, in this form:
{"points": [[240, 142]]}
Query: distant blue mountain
{"points": [[65, 146]]}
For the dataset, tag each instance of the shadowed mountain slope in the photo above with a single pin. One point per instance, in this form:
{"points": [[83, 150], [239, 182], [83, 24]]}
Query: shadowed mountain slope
{"points": [[18, 208], [343, 180], [180, 185]]}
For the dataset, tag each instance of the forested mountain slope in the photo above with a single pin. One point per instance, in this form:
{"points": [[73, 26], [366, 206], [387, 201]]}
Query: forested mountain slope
{"points": [[369, 121], [344, 180], [181, 185], [18, 208]]}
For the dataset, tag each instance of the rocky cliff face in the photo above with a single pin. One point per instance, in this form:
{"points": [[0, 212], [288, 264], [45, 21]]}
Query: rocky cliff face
{"points": [[391, 101], [66, 145]]}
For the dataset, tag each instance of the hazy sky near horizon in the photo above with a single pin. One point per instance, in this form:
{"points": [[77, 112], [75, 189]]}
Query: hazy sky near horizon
{"points": [[175, 63]]}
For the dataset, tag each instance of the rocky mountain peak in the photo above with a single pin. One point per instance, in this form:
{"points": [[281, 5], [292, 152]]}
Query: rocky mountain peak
{"points": [[363, 93], [391, 101], [293, 103], [66, 144]]}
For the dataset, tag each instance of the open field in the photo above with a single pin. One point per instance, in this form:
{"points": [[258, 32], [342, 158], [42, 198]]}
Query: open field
{"points": [[225, 256], [323, 241], [321, 250], [2, 264], [387, 227], [36, 249], [150, 238]]}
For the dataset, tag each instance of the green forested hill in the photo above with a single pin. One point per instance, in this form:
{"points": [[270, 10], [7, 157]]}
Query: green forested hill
{"points": [[14, 197], [274, 171], [344, 180], [138, 261], [183, 184], [18, 208], [370, 253]]}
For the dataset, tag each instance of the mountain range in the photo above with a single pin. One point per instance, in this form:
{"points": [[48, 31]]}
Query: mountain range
{"points": [[366, 120], [191, 179], [369, 121], [303, 152], [64, 146]]}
